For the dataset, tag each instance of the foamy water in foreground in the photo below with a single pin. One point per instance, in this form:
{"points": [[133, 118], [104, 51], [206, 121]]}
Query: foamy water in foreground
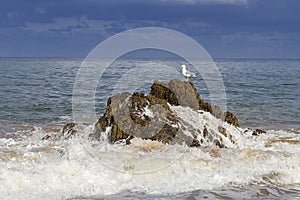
{"points": [[264, 166]]}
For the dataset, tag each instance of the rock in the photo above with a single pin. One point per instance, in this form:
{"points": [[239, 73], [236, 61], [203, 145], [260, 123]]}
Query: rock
{"points": [[139, 116], [100, 126], [195, 143], [138, 103], [205, 132], [150, 117], [117, 134], [184, 93], [154, 100], [166, 134], [66, 132], [102, 123], [231, 118], [46, 137], [162, 91], [258, 132], [222, 130], [215, 110], [176, 93]]}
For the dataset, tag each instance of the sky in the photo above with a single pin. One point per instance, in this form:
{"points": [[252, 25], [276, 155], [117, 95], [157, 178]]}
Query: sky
{"points": [[225, 28]]}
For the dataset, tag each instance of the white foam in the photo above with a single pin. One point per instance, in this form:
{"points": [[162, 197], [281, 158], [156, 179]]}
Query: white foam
{"points": [[148, 112], [202, 119], [35, 169]]}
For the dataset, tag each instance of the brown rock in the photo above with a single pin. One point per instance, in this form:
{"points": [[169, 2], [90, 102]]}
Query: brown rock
{"points": [[219, 143], [195, 143], [185, 94], [231, 118], [154, 100], [166, 134], [68, 127], [258, 132], [205, 132], [150, 117], [100, 127], [66, 132], [113, 103], [138, 103], [162, 91], [117, 134], [102, 123], [222, 130]]}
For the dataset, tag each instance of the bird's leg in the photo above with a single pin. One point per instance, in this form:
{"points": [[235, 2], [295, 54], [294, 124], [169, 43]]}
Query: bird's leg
{"points": [[187, 79]]}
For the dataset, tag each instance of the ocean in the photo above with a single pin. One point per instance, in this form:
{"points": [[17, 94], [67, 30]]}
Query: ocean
{"points": [[36, 99]]}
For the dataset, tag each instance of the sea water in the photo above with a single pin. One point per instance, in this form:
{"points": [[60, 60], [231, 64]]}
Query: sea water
{"points": [[36, 99]]}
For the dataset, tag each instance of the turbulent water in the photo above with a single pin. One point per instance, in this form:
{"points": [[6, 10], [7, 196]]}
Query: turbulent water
{"points": [[36, 99]]}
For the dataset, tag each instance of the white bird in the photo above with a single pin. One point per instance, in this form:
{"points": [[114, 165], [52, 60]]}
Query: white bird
{"points": [[186, 73]]}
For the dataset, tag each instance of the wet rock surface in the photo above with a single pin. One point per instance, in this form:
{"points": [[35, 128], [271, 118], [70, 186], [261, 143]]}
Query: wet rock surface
{"points": [[151, 117], [258, 132], [69, 130]]}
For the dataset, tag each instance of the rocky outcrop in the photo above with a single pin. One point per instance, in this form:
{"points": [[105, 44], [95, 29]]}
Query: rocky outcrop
{"points": [[135, 116], [152, 116], [184, 93], [66, 132]]}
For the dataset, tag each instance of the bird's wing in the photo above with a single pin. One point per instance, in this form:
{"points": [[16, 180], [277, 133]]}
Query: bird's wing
{"points": [[190, 73]]}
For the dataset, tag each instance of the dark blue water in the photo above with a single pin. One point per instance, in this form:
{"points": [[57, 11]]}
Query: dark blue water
{"points": [[36, 90], [262, 93]]}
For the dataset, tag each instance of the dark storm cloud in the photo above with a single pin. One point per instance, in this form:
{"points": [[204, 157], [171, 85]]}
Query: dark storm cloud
{"points": [[226, 28]]}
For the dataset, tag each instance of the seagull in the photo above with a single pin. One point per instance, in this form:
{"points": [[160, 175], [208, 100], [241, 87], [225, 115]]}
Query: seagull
{"points": [[186, 73]]}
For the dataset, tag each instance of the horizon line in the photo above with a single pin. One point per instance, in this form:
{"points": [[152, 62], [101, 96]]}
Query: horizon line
{"points": [[79, 57]]}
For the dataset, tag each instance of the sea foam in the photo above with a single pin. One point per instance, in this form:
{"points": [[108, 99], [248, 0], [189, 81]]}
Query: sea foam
{"points": [[31, 168]]}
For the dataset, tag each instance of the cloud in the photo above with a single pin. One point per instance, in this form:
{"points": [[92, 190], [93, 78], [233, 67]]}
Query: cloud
{"points": [[81, 25], [106, 28], [268, 40], [191, 2], [68, 25]]}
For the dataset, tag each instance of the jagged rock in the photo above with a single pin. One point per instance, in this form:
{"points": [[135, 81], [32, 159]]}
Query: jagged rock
{"points": [[162, 91], [100, 126], [184, 93], [213, 109], [154, 100], [205, 132], [195, 143], [66, 132], [103, 123], [176, 93], [136, 116], [138, 103], [150, 117], [117, 134], [222, 130], [258, 132], [231, 118], [166, 134]]}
